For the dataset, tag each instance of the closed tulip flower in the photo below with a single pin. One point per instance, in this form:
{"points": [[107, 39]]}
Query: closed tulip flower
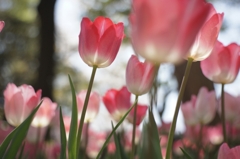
{"points": [[118, 102], [139, 76], [1, 25], [164, 31], [207, 36], [19, 102], [99, 41], [201, 109], [93, 105], [222, 66], [225, 152], [45, 113]]}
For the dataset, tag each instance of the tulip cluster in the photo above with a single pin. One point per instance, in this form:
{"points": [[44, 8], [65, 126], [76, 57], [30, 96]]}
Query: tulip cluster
{"points": [[161, 31]]}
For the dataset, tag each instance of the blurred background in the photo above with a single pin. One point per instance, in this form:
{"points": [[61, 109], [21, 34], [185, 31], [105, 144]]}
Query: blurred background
{"points": [[39, 47]]}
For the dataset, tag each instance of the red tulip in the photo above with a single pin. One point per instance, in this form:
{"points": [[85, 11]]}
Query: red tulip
{"points": [[99, 41], [118, 102], [225, 152], [207, 36], [1, 25], [164, 31], [93, 105], [139, 76], [45, 113], [222, 66], [19, 102]]}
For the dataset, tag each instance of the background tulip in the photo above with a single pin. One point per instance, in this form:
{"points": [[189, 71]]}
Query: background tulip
{"points": [[1, 25], [207, 36], [93, 105], [139, 76], [117, 102], [19, 102], [99, 41], [222, 66], [200, 110], [45, 113], [163, 31], [225, 152]]}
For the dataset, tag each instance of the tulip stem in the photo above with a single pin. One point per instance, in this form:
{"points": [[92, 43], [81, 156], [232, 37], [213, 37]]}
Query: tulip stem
{"points": [[180, 96], [134, 128], [80, 127], [223, 115]]}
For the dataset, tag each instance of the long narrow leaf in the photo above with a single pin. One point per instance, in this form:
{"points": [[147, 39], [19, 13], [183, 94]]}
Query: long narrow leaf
{"points": [[63, 137], [72, 139], [120, 154], [150, 143], [186, 154], [21, 151], [19, 136], [114, 129], [6, 142]]}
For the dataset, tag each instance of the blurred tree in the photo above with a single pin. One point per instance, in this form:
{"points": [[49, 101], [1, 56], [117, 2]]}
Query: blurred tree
{"points": [[47, 50]]}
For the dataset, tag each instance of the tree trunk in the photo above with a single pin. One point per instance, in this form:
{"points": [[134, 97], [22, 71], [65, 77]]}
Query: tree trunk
{"points": [[195, 82], [47, 43]]}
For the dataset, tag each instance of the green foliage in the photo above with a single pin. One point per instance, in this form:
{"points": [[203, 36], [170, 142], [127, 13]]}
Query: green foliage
{"points": [[13, 141], [150, 143], [72, 139]]}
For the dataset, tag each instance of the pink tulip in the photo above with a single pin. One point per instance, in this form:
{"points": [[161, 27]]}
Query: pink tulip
{"points": [[99, 41], [222, 66], [93, 105], [139, 76], [1, 25], [164, 31], [118, 102], [19, 102], [207, 36], [200, 110], [225, 152], [232, 109], [45, 113]]}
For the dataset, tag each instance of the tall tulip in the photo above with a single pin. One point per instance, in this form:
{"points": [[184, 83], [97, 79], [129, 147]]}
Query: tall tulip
{"points": [[93, 105], [99, 41], [222, 66], [207, 36], [1, 25], [19, 102], [164, 31], [139, 76], [45, 113]]}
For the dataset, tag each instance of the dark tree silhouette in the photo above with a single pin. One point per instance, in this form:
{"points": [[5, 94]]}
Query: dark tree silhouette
{"points": [[47, 44]]}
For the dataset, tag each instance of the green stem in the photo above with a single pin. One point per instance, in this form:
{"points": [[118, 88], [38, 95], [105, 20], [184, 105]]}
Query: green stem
{"points": [[80, 127], [134, 128], [86, 140], [180, 96], [223, 114]]}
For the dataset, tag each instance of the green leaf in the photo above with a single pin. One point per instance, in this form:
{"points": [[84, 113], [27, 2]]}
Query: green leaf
{"points": [[186, 154], [120, 154], [6, 142], [72, 139], [63, 137], [21, 152], [150, 143], [19, 135], [114, 129]]}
